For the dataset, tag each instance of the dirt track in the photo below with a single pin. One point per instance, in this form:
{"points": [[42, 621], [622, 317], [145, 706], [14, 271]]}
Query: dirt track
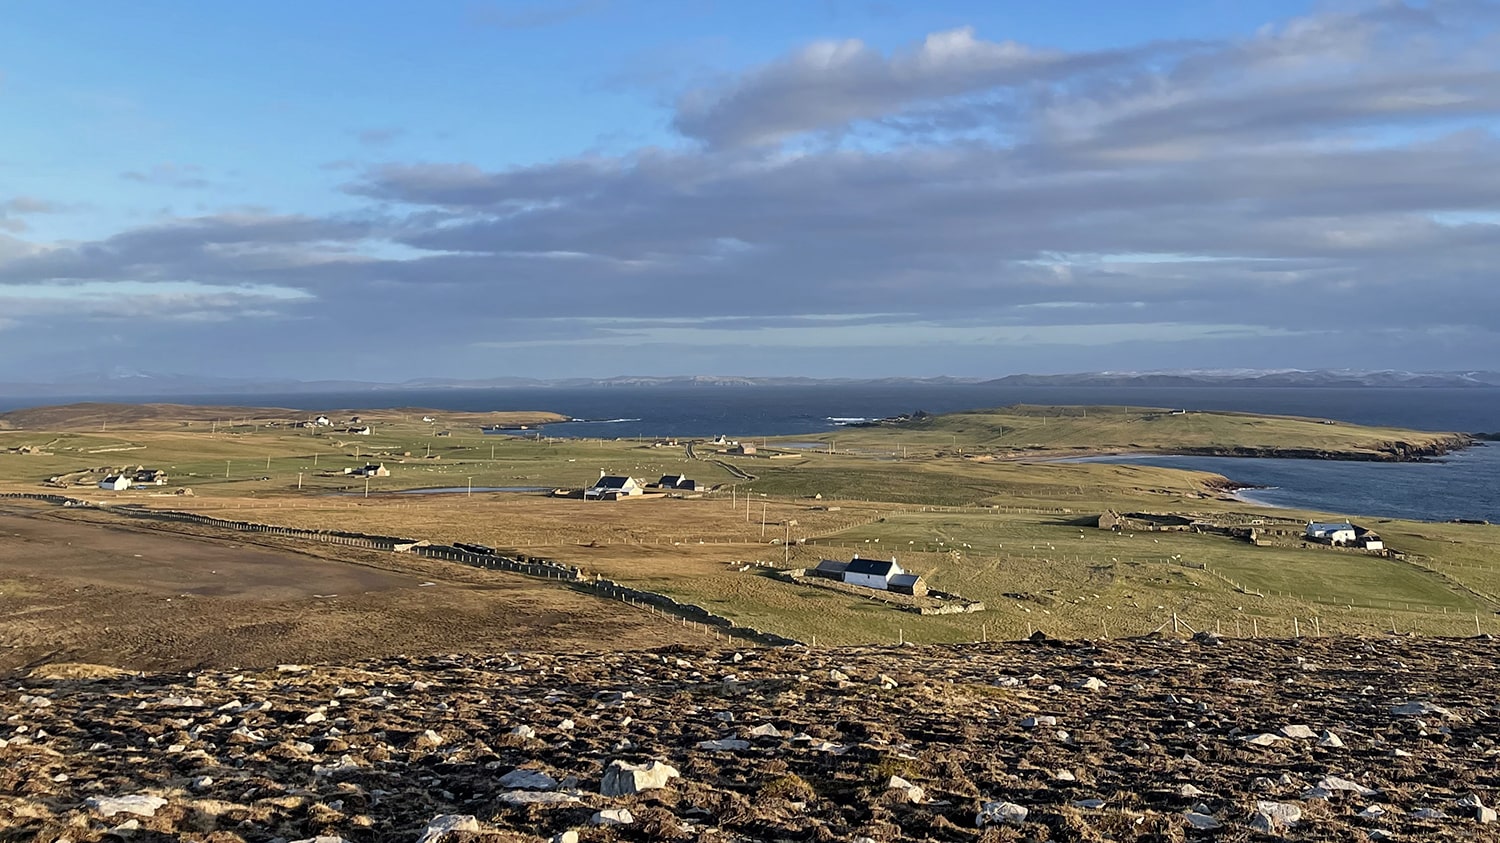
{"points": [[117, 594]]}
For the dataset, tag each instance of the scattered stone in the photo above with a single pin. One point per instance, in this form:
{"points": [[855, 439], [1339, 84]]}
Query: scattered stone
{"points": [[1001, 813], [765, 730], [1033, 722], [622, 778], [726, 745], [141, 805], [1093, 683], [1418, 709], [1264, 739], [914, 793], [524, 779], [1298, 732], [1272, 817], [1202, 822], [613, 816], [1330, 740], [537, 797], [1090, 804], [439, 826], [1332, 783]]}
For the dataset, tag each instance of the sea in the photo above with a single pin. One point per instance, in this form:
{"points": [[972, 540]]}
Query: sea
{"points": [[1465, 485]]}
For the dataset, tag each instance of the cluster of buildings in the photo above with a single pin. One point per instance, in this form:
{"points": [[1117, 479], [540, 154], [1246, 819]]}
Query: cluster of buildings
{"points": [[615, 486], [142, 476], [1342, 534]]}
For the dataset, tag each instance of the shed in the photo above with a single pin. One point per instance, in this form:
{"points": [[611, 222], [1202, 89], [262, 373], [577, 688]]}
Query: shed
{"points": [[115, 483], [908, 584], [830, 569]]}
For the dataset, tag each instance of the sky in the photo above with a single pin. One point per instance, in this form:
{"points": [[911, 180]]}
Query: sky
{"points": [[828, 188]]}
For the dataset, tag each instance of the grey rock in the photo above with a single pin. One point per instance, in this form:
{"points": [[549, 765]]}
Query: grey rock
{"points": [[612, 816], [726, 745], [1298, 731], [1336, 783], [622, 778], [524, 779], [1203, 822], [1000, 813], [142, 805], [443, 824], [537, 797]]}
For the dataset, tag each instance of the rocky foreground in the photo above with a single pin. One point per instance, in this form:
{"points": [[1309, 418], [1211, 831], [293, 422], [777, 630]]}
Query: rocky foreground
{"points": [[1146, 739]]}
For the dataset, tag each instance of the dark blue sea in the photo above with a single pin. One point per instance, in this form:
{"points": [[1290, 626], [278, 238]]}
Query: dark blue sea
{"points": [[1466, 485]]}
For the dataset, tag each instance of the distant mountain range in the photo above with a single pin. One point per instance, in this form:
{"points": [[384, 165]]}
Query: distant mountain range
{"points": [[131, 383]]}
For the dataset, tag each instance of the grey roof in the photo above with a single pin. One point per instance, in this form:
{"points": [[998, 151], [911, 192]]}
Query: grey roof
{"points": [[832, 566], [613, 481], [1328, 526], [873, 567], [905, 580]]}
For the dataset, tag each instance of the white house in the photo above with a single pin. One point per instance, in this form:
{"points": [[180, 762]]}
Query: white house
{"points": [[1341, 533], [322, 421], [115, 483], [611, 486], [872, 573]]}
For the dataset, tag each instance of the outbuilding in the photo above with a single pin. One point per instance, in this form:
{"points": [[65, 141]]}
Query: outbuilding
{"points": [[115, 483]]}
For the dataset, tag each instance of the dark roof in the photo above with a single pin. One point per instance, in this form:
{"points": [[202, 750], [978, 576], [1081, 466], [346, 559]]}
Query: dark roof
{"points": [[671, 479], [832, 566], [876, 567], [905, 580], [613, 481]]}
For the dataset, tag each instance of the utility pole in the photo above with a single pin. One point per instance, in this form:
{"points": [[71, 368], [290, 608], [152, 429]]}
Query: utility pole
{"points": [[299, 481], [268, 462], [367, 485], [471, 487], [226, 469], [762, 519]]}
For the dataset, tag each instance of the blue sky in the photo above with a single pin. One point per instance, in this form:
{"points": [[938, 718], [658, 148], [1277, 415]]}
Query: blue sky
{"points": [[601, 187]]}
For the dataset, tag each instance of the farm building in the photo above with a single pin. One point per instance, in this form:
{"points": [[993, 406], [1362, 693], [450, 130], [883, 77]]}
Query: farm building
{"points": [[370, 470], [149, 477], [909, 584], [115, 483], [612, 486], [358, 431], [322, 421], [1334, 533], [743, 448], [830, 569], [677, 481], [872, 573]]}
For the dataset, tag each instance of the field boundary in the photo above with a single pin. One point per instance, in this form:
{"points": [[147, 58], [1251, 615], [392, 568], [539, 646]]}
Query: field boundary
{"points": [[574, 576]]}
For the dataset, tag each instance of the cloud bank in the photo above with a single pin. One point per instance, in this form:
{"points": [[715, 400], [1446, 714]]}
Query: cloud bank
{"points": [[1323, 191]]}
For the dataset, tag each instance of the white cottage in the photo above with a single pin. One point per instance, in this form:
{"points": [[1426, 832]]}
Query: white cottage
{"points": [[115, 483], [872, 573], [1339, 533], [611, 486]]}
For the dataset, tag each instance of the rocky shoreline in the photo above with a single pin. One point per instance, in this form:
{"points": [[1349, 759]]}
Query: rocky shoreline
{"points": [[1147, 739], [1382, 452]]}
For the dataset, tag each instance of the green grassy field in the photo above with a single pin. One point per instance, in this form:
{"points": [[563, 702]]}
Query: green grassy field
{"points": [[1034, 429], [959, 499]]}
